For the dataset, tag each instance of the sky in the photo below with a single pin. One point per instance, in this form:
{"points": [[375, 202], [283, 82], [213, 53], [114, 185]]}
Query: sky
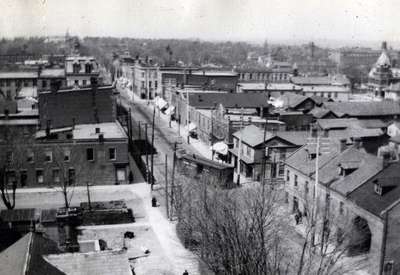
{"points": [[252, 20]]}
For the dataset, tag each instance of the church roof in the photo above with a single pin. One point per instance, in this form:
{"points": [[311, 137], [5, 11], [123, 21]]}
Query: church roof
{"points": [[383, 60]]}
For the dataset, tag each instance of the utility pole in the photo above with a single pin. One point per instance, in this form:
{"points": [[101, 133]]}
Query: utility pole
{"points": [[147, 153], [264, 159], [187, 115], [166, 185], [173, 179], [152, 149], [140, 132], [239, 147], [88, 196]]}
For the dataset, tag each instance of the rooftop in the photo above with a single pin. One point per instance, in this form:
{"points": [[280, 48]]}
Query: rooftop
{"points": [[205, 161], [97, 263], [228, 100], [110, 130], [364, 108], [52, 73], [26, 256], [336, 80], [18, 75], [366, 197]]}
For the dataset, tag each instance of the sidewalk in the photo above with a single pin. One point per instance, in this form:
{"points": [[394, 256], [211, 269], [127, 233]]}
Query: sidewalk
{"points": [[203, 149]]}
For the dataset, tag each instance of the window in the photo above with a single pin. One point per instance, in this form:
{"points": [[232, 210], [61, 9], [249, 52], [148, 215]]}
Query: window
{"points": [[30, 157], [56, 175], [44, 83], [23, 177], [11, 177], [143, 85], [67, 155], [84, 82], [71, 176], [8, 95], [248, 150], [112, 154], [306, 187], [76, 82], [9, 156], [341, 208], [39, 176], [286, 197], [287, 175], [281, 169], [76, 68], [8, 83], [49, 156], [88, 68], [150, 84], [295, 180], [282, 154], [26, 83], [90, 154], [155, 84], [336, 95]]}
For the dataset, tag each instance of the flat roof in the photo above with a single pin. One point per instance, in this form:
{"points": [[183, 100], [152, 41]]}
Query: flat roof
{"points": [[52, 73], [18, 75]]}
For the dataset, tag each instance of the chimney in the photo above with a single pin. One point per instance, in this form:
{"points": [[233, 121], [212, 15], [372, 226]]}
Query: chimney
{"points": [[342, 145], [384, 45]]}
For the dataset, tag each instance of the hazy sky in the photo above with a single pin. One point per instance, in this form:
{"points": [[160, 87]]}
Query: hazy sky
{"points": [[351, 20]]}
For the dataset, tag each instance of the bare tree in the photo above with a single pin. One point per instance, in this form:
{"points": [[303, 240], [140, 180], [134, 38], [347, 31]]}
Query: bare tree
{"points": [[14, 146]]}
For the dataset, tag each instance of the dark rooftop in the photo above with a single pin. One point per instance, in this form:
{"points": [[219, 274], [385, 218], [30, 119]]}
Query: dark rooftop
{"points": [[228, 100]]}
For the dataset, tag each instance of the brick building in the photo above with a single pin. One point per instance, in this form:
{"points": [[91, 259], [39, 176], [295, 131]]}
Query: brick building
{"points": [[360, 193], [69, 106], [95, 153]]}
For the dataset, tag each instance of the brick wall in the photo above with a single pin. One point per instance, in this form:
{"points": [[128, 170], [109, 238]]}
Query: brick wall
{"points": [[62, 107]]}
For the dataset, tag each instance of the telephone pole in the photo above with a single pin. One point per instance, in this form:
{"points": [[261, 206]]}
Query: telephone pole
{"points": [[166, 185], [152, 150]]}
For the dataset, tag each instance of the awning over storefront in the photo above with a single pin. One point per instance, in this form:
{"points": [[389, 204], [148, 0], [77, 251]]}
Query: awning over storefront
{"points": [[191, 127], [170, 110], [220, 148], [160, 103]]}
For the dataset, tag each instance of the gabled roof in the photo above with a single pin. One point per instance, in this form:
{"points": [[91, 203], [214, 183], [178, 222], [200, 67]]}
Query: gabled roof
{"points": [[320, 112], [365, 196], [366, 166], [291, 100], [96, 263], [25, 257], [252, 135], [364, 108]]}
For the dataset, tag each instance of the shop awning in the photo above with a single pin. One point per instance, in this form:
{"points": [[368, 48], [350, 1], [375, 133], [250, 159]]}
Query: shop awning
{"points": [[220, 148], [170, 110], [191, 127]]}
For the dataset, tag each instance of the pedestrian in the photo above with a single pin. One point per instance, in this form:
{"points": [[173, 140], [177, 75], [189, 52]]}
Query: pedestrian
{"points": [[185, 272]]}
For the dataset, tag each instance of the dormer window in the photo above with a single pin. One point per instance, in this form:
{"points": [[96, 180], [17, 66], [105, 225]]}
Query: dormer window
{"points": [[377, 187], [346, 168]]}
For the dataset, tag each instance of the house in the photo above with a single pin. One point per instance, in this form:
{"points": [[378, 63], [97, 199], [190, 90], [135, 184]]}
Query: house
{"points": [[255, 150], [12, 82], [26, 256], [212, 172], [271, 74], [351, 185]]}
